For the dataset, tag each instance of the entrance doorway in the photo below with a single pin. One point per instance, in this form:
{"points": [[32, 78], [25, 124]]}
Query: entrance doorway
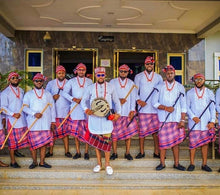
{"points": [[69, 58], [134, 59]]}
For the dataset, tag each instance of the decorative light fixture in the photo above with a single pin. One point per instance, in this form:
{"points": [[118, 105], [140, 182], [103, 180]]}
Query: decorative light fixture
{"points": [[47, 37]]}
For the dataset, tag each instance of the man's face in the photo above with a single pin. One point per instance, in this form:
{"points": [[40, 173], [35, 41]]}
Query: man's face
{"points": [[149, 67], [81, 72], [123, 73], [170, 75], [100, 77], [199, 82], [38, 83], [14, 81], [61, 75]]}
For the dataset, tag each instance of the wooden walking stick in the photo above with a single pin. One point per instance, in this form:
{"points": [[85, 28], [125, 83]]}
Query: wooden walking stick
{"points": [[2, 109], [134, 86], [10, 130], [68, 115], [34, 122]]}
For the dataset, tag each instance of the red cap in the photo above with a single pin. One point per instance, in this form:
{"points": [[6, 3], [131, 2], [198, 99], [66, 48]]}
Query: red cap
{"points": [[125, 67], [198, 75], [80, 65], [149, 60], [168, 67], [60, 68], [39, 76], [13, 74]]}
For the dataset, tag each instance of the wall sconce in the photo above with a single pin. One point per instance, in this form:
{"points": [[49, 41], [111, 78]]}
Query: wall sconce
{"points": [[47, 37], [133, 47]]}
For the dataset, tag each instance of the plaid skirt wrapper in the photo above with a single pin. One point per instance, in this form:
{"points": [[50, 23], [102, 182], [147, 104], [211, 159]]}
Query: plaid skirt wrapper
{"points": [[148, 124], [2, 137], [62, 131], [100, 142], [37, 139], [219, 138], [77, 128], [15, 136], [199, 138], [121, 131], [170, 135]]}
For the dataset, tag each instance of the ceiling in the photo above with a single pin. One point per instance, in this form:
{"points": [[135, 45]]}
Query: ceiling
{"points": [[186, 16]]}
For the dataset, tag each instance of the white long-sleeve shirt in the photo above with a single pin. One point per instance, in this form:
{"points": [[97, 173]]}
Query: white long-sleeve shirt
{"points": [[129, 105], [145, 87], [195, 107], [73, 90], [100, 125], [13, 104], [1, 115], [217, 101], [62, 105], [167, 98], [36, 105]]}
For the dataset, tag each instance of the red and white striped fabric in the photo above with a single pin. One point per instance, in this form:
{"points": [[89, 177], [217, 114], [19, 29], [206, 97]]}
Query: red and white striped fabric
{"points": [[2, 137], [62, 131]]}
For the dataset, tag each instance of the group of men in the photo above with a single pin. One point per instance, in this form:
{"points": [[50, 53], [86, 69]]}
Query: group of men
{"points": [[39, 117]]}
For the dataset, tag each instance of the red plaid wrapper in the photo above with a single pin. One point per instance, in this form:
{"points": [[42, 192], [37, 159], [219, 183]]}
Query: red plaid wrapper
{"points": [[77, 128], [100, 142], [170, 135], [2, 137], [62, 131], [37, 139], [199, 138], [219, 138], [148, 124], [15, 136], [121, 131]]}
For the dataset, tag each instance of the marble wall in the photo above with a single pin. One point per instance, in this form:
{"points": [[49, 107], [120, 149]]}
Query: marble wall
{"points": [[12, 52]]}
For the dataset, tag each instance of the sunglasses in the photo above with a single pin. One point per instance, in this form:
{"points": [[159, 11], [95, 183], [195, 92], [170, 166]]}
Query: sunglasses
{"points": [[199, 79], [123, 71], [149, 64], [82, 70], [38, 81], [100, 75], [13, 78]]}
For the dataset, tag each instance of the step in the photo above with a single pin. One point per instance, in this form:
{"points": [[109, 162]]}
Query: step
{"points": [[118, 163]]}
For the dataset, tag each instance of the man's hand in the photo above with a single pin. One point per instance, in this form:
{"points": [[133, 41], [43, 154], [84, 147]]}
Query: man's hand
{"points": [[89, 112], [56, 97], [122, 100], [77, 100], [169, 109], [116, 117], [17, 115], [4, 122], [141, 103], [53, 126], [38, 115], [211, 125], [196, 120], [131, 114], [181, 124]]}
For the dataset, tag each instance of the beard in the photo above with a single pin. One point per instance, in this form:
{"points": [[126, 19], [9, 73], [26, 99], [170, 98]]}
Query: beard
{"points": [[14, 84]]}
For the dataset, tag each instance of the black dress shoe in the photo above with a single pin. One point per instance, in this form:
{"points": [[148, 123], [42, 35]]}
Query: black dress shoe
{"points": [[33, 165], [86, 156], [179, 167], [68, 154], [77, 155], [156, 155], [45, 165], [160, 167], [206, 168], [48, 154], [191, 168], [18, 154], [219, 170], [15, 165], [114, 156], [140, 155], [128, 157]]}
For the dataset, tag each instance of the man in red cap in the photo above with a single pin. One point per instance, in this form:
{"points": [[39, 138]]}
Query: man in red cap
{"points": [[170, 101], [11, 102], [202, 128], [101, 127], [148, 119], [121, 132], [40, 134], [73, 92], [55, 87]]}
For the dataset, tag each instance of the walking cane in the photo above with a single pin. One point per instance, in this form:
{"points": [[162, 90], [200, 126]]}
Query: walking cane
{"points": [[181, 94], [68, 115], [58, 93], [3, 110], [134, 86], [9, 132], [200, 116], [141, 107], [34, 122]]}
